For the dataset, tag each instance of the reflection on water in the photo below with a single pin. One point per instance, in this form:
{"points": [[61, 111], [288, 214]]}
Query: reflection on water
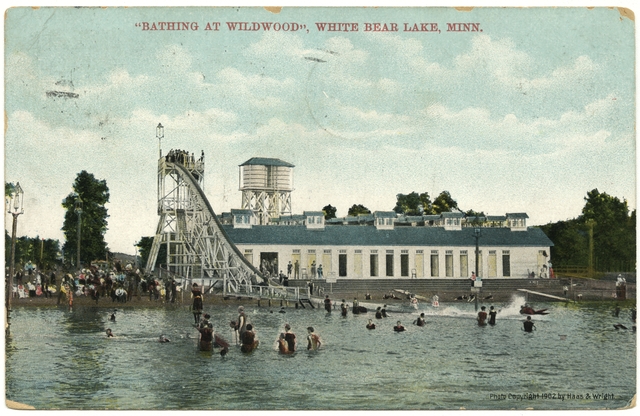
{"points": [[62, 359]]}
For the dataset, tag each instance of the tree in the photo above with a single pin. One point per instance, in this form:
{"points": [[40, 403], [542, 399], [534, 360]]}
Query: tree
{"points": [[473, 217], [8, 188], [144, 246], [359, 209], [94, 194], [444, 203], [329, 212], [614, 230], [39, 251], [413, 204]]}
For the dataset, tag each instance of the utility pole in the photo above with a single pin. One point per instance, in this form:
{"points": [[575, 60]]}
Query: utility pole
{"points": [[590, 224], [14, 208]]}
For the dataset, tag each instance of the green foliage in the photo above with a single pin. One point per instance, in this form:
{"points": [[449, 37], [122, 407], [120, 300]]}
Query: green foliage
{"points": [[614, 230], [94, 194], [359, 209], [614, 235], [329, 212], [473, 217], [144, 247], [8, 188], [41, 252], [444, 203], [413, 204]]}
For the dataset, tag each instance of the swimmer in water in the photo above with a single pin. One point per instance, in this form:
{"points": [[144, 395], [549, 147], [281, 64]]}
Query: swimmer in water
{"points": [[163, 339], [492, 316], [287, 341], [313, 340], [344, 308], [371, 325], [109, 333], [378, 313], [112, 318], [482, 316], [398, 327], [528, 325], [420, 321]]}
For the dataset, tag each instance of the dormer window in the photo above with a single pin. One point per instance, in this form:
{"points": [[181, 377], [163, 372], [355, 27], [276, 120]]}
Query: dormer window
{"points": [[314, 219]]}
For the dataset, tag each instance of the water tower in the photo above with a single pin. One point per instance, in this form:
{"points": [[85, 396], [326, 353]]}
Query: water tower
{"points": [[266, 186]]}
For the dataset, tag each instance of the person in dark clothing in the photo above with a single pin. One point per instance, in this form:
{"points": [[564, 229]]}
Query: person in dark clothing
{"points": [[327, 304], [249, 342], [344, 309], [379, 313], [420, 321], [371, 325], [384, 311], [287, 341], [196, 308], [528, 325], [482, 317], [174, 290], [492, 316], [398, 327]]}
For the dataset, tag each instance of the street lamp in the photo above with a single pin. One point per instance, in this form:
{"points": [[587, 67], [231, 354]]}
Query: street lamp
{"points": [[78, 209], [159, 136], [14, 207], [478, 283]]}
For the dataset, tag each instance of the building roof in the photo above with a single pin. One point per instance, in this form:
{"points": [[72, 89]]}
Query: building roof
{"points": [[452, 215], [496, 218], [267, 161], [313, 213], [385, 214], [337, 235], [241, 211], [517, 215]]}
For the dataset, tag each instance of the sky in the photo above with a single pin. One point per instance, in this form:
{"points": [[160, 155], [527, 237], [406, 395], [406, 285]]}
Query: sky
{"points": [[526, 115]]}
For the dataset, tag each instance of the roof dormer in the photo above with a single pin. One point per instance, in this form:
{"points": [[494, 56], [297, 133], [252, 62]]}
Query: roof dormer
{"points": [[314, 219], [242, 218], [517, 221], [452, 220], [384, 219]]}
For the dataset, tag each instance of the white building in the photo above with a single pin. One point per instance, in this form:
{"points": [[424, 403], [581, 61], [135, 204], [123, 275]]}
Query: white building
{"points": [[386, 245]]}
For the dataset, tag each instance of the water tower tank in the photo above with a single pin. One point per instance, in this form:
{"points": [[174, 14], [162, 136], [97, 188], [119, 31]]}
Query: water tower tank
{"points": [[266, 174], [266, 186]]}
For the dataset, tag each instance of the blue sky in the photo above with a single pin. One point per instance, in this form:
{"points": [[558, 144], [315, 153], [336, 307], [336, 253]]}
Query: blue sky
{"points": [[526, 116]]}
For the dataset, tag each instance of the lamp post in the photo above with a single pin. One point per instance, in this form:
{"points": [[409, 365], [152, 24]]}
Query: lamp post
{"points": [[476, 234], [78, 210], [159, 136], [14, 207]]}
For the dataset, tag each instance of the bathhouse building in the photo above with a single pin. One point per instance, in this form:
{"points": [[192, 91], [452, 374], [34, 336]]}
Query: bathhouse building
{"points": [[380, 245], [387, 245]]}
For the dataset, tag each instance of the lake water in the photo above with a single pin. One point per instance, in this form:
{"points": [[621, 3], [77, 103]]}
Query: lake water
{"points": [[60, 359]]}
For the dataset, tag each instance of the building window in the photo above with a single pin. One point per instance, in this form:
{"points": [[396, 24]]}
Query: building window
{"points": [[358, 251], [327, 252], [435, 267], [404, 263], [296, 251], [448, 263], [464, 264], [342, 264], [311, 252], [389, 263], [373, 264], [506, 263], [341, 251]]}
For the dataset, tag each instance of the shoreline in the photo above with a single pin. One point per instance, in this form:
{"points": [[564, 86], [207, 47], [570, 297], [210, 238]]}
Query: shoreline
{"points": [[219, 300]]}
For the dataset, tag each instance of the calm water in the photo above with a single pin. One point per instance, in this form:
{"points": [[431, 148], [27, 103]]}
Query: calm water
{"points": [[60, 359]]}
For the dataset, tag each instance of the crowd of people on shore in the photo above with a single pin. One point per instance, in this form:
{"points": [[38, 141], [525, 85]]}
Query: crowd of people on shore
{"points": [[120, 283]]}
